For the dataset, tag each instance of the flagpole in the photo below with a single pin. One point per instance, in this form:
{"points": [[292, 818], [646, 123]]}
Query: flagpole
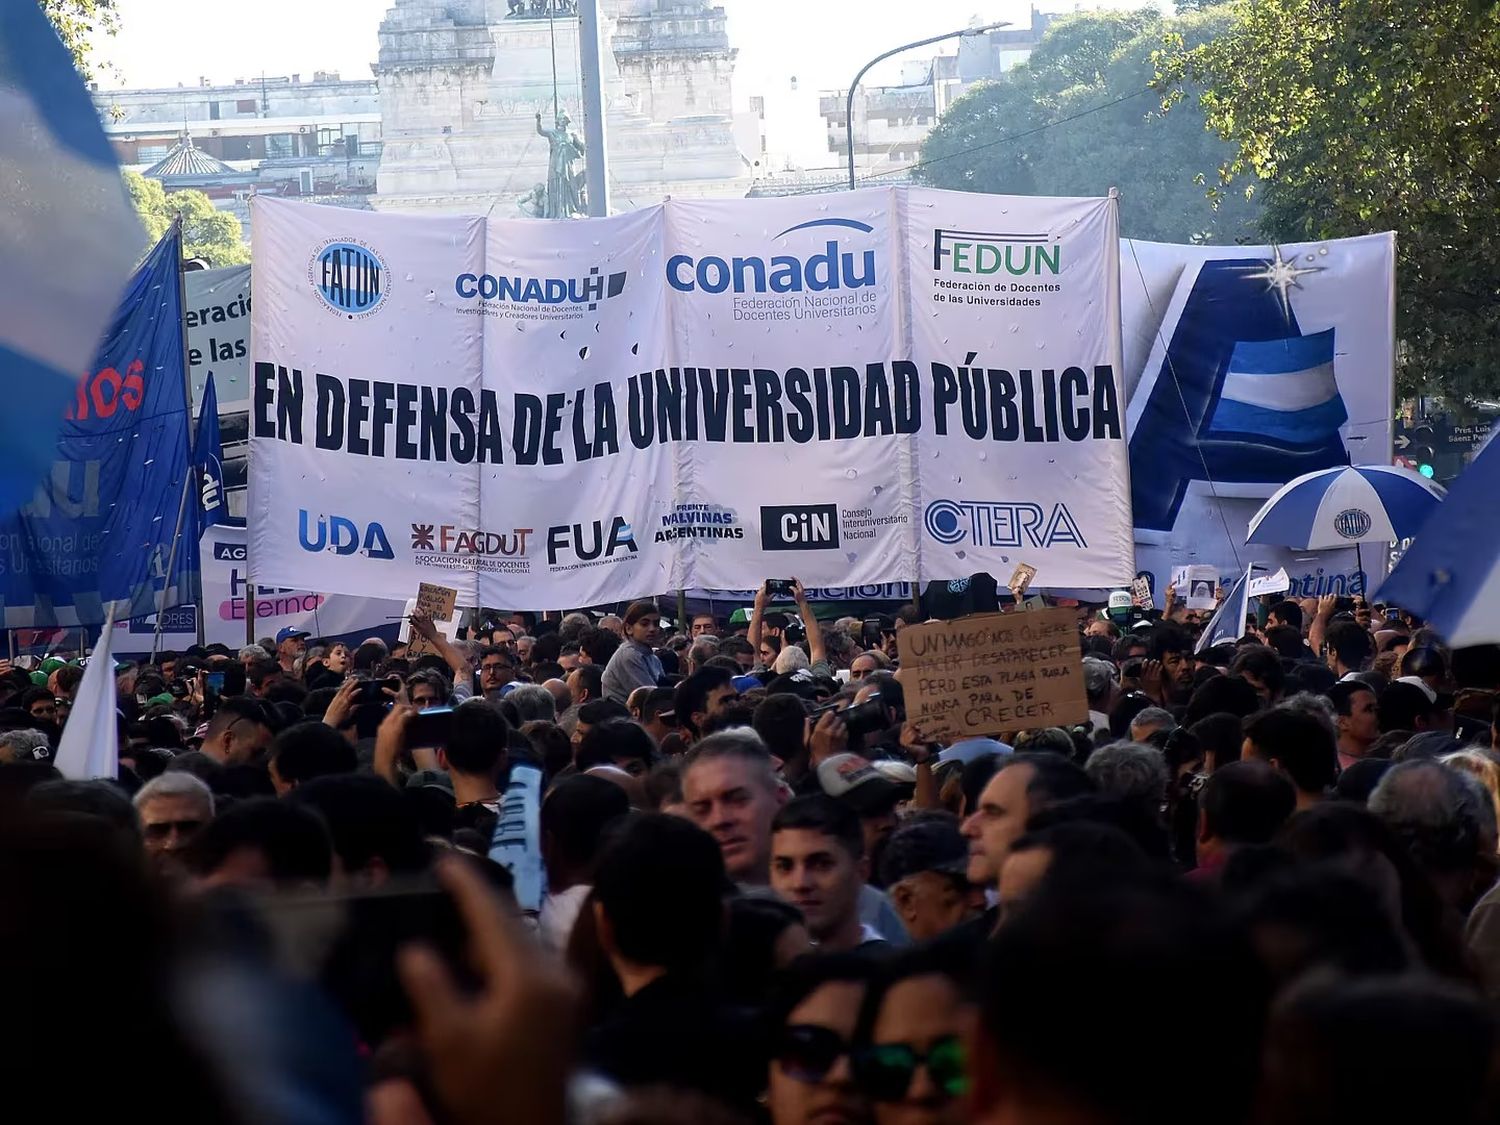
{"points": [[189, 477], [187, 383]]}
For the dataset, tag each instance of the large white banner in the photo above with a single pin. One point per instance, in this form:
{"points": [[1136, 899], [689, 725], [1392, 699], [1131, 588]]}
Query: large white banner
{"points": [[870, 387], [1249, 366]]}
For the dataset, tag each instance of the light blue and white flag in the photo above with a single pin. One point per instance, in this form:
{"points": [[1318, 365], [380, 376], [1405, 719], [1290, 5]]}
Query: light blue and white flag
{"points": [[1282, 391], [68, 239], [1228, 622]]}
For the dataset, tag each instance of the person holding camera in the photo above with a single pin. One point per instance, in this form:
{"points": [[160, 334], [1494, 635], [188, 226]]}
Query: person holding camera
{"points": [[763, 630]]}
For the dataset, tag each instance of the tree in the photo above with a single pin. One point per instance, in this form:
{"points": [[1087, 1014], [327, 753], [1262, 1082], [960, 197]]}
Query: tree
{"points": [[76, 21], [207, 233], [1081, 116], [1369, 115]]}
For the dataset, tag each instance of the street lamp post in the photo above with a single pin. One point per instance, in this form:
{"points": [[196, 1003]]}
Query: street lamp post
{"points": [[849, 103]]}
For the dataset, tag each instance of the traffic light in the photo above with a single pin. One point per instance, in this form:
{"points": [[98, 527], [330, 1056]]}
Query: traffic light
{"points": [[1423, 451]]}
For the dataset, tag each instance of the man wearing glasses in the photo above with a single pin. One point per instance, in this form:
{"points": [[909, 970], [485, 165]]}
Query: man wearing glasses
{"points": [[496, 669]]}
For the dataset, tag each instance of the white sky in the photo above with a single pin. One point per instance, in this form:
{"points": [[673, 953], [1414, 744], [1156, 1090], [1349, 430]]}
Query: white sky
{"points": [[819, 42]]}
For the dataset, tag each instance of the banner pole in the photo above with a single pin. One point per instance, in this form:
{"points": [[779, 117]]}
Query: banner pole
{"points": [[187, 386], [161, 609]]}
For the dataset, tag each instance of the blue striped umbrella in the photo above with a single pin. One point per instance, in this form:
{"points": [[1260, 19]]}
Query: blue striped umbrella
{"points": [[1345, 507]]}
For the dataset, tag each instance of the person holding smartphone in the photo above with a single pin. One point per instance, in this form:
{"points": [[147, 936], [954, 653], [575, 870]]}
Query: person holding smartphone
{"points": [[817, 654]]}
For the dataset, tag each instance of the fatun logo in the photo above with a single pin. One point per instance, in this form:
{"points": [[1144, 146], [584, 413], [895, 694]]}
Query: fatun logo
{"points": [[1353, 523], [351, 277], [799, 527], [985, 253]]}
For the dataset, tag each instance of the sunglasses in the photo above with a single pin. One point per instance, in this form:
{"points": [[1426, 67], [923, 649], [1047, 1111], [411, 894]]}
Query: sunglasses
{"points": [[884, 1070], [808, 1052]]}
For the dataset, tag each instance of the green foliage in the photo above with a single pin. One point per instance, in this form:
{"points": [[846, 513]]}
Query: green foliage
{"points": [[1371, 115], [207, 233], [1040, 131], [76, 21]]}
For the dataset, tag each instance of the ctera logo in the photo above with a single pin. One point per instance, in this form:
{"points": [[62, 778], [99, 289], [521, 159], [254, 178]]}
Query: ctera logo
{"points": [[1001, 524], [590, 543], [349, 276], [588, 290], [784, 273], [978, 252], [342, 536], [799, 527]]}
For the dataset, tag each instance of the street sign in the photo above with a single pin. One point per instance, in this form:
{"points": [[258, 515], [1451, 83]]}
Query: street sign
{"points": [[1437, 447]]}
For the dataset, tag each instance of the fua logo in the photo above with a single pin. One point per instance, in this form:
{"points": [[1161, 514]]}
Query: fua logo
{"points": [[350, 277], [342, 536], [588, 542], [784, 273]]}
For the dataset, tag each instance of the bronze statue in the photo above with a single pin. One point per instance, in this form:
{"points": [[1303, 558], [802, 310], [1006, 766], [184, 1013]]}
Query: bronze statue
{"points": [[565, 191]]}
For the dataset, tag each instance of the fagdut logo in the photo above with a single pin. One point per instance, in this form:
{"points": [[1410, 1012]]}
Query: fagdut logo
{"points": [[350, 277], [463, 548], [577, 546], [342, 536], [1353, 523], [1002, 524], [699, 521], [838, 279]]}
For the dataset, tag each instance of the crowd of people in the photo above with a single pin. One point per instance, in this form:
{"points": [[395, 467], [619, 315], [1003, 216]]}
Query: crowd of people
{"points": [[1258, 885]]}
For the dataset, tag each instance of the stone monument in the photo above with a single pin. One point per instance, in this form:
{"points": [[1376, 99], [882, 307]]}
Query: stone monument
{"points": [[471, 124]]}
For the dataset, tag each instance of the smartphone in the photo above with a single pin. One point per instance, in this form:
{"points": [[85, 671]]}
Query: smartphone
{"points": [[871, 633], [429, 729], [214, 682], [778, 586], [1392, 614]]}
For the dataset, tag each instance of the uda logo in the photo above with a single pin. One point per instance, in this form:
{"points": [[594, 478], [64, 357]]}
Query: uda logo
{"points": [[342, 536], [350, 277], [1353, 523]]}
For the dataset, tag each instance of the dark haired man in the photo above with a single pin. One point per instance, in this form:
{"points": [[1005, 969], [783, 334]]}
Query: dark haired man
{"points": [[585, 685], [1358, 720], [238, 732], [1298, 745], [576, 814], [699, 696], [307, 750], [1242, 803], [1022, 785], [475, 757], [818, 865], [659, 916]]}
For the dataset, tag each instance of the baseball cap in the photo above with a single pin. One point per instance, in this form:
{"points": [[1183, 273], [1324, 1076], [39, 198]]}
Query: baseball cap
{"points": [[969, 749], [854, 781], [290, 633], [928, 845], [742, 684], [1097, 676]]}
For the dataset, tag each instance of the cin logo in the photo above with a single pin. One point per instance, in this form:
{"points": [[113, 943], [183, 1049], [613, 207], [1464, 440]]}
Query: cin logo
{"points": [[350, 277], [799, 527], [1353, 523], [342, 536]]}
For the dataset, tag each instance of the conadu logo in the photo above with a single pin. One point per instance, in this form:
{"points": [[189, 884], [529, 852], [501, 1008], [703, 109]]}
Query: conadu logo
{"points": [[350, 277]]}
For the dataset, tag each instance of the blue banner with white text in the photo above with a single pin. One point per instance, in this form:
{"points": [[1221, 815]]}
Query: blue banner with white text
{"points": [[98, 532]]}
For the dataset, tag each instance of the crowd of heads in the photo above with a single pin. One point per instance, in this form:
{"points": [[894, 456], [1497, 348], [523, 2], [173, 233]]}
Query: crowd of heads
{"points": [[1252, 871]]}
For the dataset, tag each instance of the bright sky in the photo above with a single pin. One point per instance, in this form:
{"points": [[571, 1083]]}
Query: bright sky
{"points": [[821, 43]]}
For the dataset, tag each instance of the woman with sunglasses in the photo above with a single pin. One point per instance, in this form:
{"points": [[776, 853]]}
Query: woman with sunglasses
{"points": [[909, 1059], [811, 1019]]}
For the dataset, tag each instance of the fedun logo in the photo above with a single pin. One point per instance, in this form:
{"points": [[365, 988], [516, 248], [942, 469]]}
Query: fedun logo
{"points": [[1353, 523], [350, 277], [342, 536], [978, 252], [1001, 524], [784, 273]]}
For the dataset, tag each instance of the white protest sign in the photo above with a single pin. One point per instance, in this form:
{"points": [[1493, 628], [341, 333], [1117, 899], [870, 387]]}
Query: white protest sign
{"points": [[1278, 583]]}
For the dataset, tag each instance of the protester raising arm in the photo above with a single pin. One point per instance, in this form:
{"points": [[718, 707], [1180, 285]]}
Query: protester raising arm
{"points": [[756, 614], [816, 652], [423, 627]]}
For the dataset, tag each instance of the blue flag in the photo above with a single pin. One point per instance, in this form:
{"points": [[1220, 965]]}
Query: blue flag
{"points": [[97, 534], [70, 239], [208, 458], [1228, 622]]}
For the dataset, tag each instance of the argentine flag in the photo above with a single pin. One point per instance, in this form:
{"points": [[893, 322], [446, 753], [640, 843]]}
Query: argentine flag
{"points": [[68, 240], [1282, 392]]}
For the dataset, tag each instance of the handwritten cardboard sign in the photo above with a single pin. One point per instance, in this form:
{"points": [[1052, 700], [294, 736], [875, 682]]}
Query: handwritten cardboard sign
{"points": [[992, 674], [436, 602]]}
